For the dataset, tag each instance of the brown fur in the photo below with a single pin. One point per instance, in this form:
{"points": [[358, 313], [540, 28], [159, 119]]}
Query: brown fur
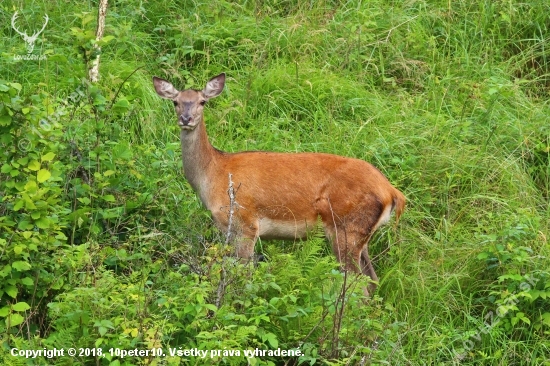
{"points": [[281, 195]]}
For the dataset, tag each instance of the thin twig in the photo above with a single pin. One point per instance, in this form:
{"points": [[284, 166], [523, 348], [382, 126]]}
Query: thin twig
{"points": [[232, 203], [220, 292], [122, 84], [399, 25]]}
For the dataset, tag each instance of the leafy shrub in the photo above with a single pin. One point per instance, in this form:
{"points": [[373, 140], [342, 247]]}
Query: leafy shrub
{"points": [[522, 292], [33, 213]]}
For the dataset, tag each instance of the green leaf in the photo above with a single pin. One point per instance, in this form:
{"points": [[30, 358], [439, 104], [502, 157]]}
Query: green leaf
{"points": [[18, 249], [272, 339], [20, 306], [43, 175], [61, 236], [16, 86], [109, 198], [5, 120], [29, 204], [57, 58], [112, 213], [18, 204], [21, 266], [211, 307], [87, 19], [14, 320], [34, 165], [483, 255], [5, 271], [31, 186], [11, 291], [84, 200], [6, 168], [58, 284], [4, 311], [43, 223], [48, 157], [121, 106], [107, 39], [25, 225], [514, 277], [121, 151], [27, 281]]}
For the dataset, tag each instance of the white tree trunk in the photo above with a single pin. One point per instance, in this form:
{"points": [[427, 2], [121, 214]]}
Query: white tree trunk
{"points": [[93, 73]]}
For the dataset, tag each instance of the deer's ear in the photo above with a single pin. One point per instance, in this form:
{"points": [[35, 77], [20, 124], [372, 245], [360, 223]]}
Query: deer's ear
{"points": [[214, 86], [164, 88]]}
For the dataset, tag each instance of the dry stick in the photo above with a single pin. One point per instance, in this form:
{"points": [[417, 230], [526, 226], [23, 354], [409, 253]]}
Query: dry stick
{"points": [[221, 288], [232, 202], [339, 310], [223, 275], [76, 151], [339, 315], [93, 73], [325, 312]]}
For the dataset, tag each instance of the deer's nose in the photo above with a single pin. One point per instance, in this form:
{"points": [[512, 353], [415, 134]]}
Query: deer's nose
{"points": [[185, 119]]}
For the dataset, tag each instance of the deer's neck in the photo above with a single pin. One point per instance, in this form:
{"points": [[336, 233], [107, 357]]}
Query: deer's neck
{"points": [[198, 156]]}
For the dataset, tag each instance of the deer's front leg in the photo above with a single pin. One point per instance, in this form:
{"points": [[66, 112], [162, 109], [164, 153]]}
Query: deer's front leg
{"points": [[240, 234], [244, 248]]}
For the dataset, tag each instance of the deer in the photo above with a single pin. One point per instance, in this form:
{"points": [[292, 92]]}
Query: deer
{"points": [[283, 196]]}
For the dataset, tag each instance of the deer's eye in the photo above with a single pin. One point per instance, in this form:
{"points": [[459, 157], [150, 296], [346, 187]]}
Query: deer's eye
{"points": [[202, 102], [175, 103]]}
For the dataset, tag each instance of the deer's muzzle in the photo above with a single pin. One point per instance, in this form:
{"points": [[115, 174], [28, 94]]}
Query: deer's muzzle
{"points": [[186, 122]]}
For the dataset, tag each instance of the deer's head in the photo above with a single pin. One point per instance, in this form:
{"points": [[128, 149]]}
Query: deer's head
{"points": [[189, 103]]}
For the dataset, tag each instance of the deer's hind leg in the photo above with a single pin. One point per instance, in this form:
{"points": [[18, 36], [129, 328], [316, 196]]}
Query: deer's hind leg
{"points": [[350, 237]]}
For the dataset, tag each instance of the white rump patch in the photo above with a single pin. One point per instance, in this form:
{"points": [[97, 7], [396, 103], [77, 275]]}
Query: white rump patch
{"points": [[384, 218]]}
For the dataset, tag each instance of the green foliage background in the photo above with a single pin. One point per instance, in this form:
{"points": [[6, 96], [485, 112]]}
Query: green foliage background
{"points": [[104, 245]]}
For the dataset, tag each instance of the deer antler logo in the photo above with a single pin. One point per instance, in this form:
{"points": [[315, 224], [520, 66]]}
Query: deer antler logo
{"points": [[29, 39]]}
